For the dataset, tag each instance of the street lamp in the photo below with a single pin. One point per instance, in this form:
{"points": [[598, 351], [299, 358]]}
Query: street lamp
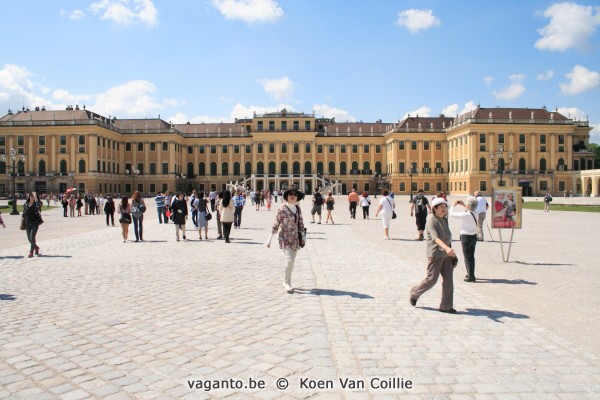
{"points": [[411, 173], [13, 166], [500, 163], [133, 172]]}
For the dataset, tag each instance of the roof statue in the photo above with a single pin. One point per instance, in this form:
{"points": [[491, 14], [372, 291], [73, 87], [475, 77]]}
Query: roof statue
{"points": [[431, 125], [551, 115], [490, 116], [532, 115], [510, 115]]}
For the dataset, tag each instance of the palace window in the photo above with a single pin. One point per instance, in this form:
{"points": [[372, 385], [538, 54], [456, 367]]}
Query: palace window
{"points": [[283, 148], [165, 146], [260, 148], [413, 145], [271, 125], [140, 146], [426, 145], [63, 140], [343, 149], [401, 145]]}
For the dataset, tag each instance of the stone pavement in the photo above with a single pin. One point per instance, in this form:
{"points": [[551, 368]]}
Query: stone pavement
{"points": [[98, 318]]}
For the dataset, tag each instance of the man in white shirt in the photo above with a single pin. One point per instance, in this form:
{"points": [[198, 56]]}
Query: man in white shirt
{"points": [[468, 232], [212, 196], [482, 207]]}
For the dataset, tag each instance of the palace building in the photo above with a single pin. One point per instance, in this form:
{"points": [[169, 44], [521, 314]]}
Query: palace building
{"points": [[536, 149]]}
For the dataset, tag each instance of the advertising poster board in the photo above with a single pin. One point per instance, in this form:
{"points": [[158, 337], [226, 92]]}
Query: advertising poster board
{"points": [[506, 208]]}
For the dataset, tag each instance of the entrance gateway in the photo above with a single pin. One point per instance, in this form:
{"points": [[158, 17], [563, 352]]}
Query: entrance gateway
{"points": [[526, 187]]}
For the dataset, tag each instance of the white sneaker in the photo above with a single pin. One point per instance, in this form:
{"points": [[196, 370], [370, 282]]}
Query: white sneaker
{"points": [[288, 288]]}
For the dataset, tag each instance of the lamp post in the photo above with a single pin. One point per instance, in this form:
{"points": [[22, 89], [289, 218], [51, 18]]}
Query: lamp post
{"points": [[133, 172], [500, 163], [411, 173], [13, 167]]}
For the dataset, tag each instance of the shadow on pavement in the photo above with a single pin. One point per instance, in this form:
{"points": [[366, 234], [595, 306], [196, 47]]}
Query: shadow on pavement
{"points": [[52, 256], [494, 315], [238, 242], [332, 292], [12, 257], [9, 297], [507, 281], [537, 263]]}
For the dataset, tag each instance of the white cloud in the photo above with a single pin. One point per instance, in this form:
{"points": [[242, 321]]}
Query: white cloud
{"points": [[127, 12], [546, 76], [570, 25], [17, 89], [65, 97], [595, 133], [279, 89], [573, 113], [250, 11], [417, 20], [582, 80], [181, 118], [76, 15], [421, 112], [488, 80], [129, 100], [332, 112], [452, 110], [238, 111], [512, 91]]}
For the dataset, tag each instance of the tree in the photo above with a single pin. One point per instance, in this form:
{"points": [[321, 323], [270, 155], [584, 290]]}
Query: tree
{"points": [[595, 148]]}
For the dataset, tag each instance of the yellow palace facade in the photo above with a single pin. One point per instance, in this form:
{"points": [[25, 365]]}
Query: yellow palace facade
{"points": [[537, 149]]}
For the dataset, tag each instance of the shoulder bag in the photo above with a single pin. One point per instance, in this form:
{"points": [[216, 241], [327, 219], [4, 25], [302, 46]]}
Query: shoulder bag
{"points": [[394, 216]]}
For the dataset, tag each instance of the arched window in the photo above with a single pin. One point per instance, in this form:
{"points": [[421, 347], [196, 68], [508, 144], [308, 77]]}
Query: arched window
{"points": [[82, 166], [190, 169], [213, 168], [260, 168], [201, 169], [42, 167], [522, 164], [236, 169], [331, 168], [542, 164], [482, 164], [272, 168], [343, 168], [378, 167], [224, 168], [308, 168], [367, 167], [561, 164], [354, 167], [284, 168], [63, 166], [296, 168], [320, 168], [248, 168]]}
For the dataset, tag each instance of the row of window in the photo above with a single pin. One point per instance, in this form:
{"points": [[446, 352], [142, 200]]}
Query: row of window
{"points": [[42, 140], [414, 145], [284, 125], [332, 169]]}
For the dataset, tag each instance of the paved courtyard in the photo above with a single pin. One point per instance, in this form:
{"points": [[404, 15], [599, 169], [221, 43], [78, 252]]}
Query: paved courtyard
{"points": [[98, 318]]}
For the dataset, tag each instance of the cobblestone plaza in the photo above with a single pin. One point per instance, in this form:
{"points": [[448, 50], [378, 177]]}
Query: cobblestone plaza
{"points": [[98, 318]]}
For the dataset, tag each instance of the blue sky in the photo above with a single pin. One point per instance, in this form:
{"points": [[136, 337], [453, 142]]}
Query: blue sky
{"points": [[215, 60]]}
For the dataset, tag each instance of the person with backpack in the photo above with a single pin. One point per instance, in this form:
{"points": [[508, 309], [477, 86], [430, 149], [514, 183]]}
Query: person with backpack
{"points": [[419, 207], [547, 201], [317, 201]]}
